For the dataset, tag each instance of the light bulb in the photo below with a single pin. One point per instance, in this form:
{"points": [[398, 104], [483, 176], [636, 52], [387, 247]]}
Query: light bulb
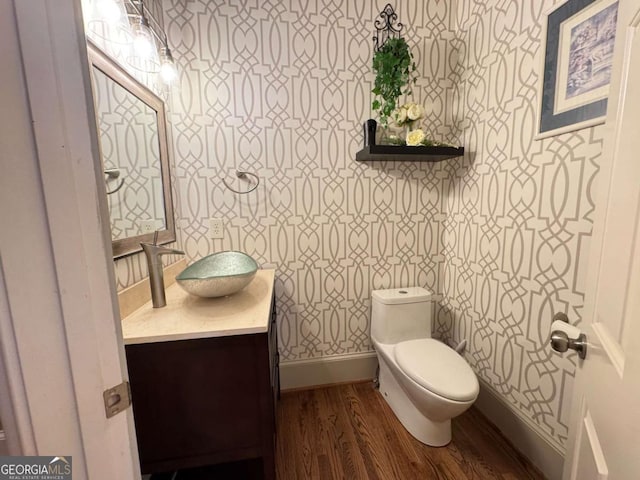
{"points": [[142, 46], [168, 71], [106, 20], [144, 55], [142, 39]]}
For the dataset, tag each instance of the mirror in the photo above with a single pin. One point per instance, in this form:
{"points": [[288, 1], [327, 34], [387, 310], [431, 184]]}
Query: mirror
{"points": [[134, 151]]}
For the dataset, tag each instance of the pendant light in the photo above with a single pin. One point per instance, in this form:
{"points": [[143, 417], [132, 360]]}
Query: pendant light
{"points": [[129, 23], [168, 72], [107, 20], [144, 54]]}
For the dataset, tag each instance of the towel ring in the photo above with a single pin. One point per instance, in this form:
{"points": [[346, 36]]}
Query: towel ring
{"points": [[243, 175], [112, 174]]}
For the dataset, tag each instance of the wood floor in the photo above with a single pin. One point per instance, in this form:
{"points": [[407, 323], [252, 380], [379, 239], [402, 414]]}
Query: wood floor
{"points": [[349, 432]]}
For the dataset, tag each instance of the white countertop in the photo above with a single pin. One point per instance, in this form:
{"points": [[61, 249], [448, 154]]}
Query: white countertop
{"points": [[187, 317]]}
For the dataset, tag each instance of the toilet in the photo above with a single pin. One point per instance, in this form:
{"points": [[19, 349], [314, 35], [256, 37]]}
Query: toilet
{"points": [[425, 382]]}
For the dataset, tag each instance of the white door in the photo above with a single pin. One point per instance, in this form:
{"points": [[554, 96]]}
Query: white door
{"points": [[604, 440], [60, 336]]}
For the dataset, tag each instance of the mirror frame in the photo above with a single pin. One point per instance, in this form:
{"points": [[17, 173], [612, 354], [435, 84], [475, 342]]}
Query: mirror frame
{"points": [[98, 59]]}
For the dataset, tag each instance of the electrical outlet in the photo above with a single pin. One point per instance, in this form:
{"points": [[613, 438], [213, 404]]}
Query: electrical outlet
{"points": [[216, 228], [148, 226]]}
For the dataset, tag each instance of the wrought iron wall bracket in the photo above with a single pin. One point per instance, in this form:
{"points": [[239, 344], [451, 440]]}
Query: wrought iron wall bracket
{"points": [[387, 26]]}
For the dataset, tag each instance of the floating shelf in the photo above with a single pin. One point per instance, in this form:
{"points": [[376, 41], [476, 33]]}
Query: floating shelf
{"points": [[398, 153]]}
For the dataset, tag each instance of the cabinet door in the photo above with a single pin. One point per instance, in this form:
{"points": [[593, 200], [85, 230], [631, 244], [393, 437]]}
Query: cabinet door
{"points": [[196, 402]]}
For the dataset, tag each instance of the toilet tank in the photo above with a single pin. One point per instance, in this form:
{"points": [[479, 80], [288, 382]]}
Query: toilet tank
{"points": [[400, 314]]}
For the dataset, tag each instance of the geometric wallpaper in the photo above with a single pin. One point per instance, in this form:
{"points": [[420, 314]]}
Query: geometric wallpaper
{"points": [[519, 215], [281, 89]]}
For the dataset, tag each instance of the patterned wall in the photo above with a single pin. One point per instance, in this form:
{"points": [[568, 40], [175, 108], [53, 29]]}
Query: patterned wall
{"points": [[129, 143], [281, 89], [518, 217]]}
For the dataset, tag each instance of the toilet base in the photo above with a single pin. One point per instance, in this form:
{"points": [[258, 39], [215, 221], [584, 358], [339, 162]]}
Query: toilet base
{"points": [[435, 434]]}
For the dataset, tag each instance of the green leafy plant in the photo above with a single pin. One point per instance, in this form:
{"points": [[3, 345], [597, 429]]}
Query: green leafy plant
{"points": [[395, 73]]}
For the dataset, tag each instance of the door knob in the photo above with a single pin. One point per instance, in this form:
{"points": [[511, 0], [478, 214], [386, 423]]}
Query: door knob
{"points": [[560, 340]]}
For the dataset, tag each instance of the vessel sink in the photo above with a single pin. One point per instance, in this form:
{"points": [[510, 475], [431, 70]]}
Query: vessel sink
{"points": [[218, 275]]}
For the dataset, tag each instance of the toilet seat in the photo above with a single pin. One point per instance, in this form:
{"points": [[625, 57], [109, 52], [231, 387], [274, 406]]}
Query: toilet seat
{"points": [[437, 368]]}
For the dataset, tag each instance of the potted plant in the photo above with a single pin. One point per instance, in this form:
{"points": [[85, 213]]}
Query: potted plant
{"points": [[394, 68]]}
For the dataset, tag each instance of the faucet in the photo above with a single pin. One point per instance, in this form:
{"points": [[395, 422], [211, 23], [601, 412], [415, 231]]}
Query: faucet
{"points": [[153, 251]]}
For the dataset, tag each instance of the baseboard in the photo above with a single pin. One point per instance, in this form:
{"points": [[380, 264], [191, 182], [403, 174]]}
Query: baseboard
{"points": [[546, 456], [309, 373]]}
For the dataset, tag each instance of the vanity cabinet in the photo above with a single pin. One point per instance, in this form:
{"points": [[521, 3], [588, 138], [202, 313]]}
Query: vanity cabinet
{"points": [[205, 401]]}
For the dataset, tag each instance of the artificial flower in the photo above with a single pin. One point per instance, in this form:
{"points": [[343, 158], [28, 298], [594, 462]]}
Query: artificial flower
{"points": [[415, 112], [408, 114], [400, 116], [415, 137]]}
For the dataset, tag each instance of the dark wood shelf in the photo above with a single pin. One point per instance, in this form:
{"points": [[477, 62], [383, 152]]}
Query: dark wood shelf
{"points": [[399, 153]]}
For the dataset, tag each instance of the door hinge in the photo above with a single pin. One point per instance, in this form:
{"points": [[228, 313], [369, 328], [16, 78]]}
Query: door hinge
{"points": [[117, 399]]}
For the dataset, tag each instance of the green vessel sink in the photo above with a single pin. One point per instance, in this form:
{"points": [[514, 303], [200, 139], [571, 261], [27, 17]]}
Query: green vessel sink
{"points": [[218, 275]]}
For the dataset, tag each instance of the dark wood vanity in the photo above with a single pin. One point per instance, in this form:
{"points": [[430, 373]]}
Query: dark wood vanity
{"points": [[205, 401]]}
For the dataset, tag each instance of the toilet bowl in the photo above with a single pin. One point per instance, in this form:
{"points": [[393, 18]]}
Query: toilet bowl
{"points": [[425, 382]]}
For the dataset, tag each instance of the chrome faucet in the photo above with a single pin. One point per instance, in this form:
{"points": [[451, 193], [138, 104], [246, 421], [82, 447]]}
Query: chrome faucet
{"points": [[153, 251]]}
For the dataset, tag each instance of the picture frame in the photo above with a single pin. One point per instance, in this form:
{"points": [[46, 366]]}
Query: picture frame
{"points": [[577, 64]]}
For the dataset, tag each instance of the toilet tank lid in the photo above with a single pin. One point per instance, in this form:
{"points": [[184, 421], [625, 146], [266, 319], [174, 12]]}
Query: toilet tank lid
{"points": [[402, 295]]}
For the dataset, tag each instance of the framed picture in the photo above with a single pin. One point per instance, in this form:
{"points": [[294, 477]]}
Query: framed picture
{"points": [[580, 37]]}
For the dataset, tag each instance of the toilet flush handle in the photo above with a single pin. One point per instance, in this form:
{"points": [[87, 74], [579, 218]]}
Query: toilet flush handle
{"points": [[560, 339]]}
